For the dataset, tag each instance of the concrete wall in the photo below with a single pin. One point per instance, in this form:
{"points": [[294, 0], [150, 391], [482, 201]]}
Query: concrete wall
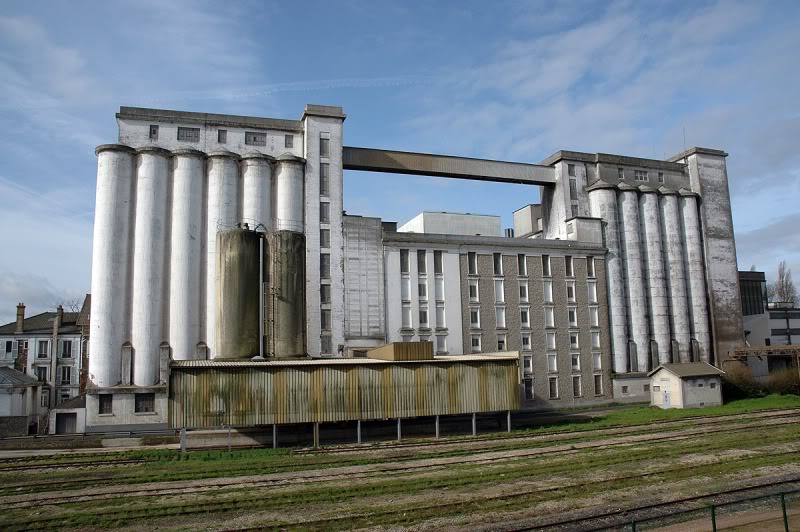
{"points": [[365, 311], [666, 390], [451, 223], [123, 415], [701, 391], [80, 419]]}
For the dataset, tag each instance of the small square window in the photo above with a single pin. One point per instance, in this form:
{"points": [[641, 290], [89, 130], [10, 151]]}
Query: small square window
{"points": [[713, 385], [153, 132], [288, 141], [640, 175], [252, 138], [222, 136], [625, 390], [646, 388], [189, 134], [144, 403]]}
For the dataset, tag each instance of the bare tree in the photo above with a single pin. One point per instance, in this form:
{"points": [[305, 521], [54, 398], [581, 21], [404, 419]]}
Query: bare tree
{"points": [[70, 304], [783, 289]]}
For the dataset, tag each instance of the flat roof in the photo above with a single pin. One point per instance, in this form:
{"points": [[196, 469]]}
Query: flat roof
{"points": [[186, 117], [216, 363], [610, 158], [490, 241], [401, 162]]}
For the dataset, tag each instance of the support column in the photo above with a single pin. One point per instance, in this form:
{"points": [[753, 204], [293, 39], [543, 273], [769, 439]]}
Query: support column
{"points": [[634, 273], [274, 436], [676, 280], [316, 435], [474, 425], [508, 420], [358, 430], [399, 432], [696, 273], [437, 426], [603, 205], [656, 274]]}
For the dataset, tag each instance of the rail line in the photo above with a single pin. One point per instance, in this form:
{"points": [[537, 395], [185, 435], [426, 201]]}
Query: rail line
{"points": [[37, 497]]}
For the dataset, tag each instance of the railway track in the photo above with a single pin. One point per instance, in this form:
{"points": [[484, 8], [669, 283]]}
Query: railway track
{"points": [[37, 496]]}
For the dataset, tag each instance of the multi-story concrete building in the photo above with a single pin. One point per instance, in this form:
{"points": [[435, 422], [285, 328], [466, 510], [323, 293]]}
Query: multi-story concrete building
{"points": [[453, 223], [657, 235], [47, 347]]}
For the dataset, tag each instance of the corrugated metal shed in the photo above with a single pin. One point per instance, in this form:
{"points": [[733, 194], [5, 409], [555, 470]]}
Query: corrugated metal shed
{"points": [[239, 393]]}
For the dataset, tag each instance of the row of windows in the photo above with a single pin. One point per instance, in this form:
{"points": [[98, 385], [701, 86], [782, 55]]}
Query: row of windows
{"points": [[641, 176], [553, 388], [550, 342], [547, 290], [423, 316], [524, 317], [43, 346], [64, 374], [251, 138], [522, 265], [144, 403], [326, 324], [422, 264]]}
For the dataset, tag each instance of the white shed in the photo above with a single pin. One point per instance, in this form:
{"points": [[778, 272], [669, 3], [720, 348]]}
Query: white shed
{"points": [[688, 385]]}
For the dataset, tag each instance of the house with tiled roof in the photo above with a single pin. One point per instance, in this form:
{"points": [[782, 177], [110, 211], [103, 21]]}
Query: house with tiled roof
{"points": [[47, 347]]}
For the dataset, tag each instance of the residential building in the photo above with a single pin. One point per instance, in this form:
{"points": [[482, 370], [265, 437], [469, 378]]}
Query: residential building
{"points": [[20, 409]]}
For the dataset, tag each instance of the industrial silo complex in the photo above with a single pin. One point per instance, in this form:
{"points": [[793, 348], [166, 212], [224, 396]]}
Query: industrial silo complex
{"points": [[229, 287]]}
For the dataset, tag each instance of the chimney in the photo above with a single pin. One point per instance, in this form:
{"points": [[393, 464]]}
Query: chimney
{"points": [[59, 318], [20, 319]]}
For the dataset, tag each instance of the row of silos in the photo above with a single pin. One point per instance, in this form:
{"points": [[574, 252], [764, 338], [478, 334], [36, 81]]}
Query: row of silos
{"points": [[656, 275], [154, 267]]}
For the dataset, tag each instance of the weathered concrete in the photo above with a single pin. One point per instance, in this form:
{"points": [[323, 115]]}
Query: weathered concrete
{"points": [[656, 274], [286, 314], [676, 280], [257, 191], [696, 275], [634, 273]]}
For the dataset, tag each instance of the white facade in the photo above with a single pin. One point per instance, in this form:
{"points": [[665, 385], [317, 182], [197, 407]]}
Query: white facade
{"points": [[672, 387], [453, 223]]}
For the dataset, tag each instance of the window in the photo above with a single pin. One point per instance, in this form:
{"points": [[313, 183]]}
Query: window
{"points": [[699, 384], [422, 267], [620, 174], [596, 361], [576, 361], [625, 390], [145, 403], [548, 291], [595, 339], [572, 316], [574, 212], [646, 388], [189, 134], [472, 263], [324, 147], [525, 316], [571, 170], [523, 291], [9, 346], [438, 263], [502, 343], [326, 345], [594, 316], [656, 389], [568, 266], [550, 337], [153, 132], [475, 342], [324, 293], [473, 291], [661, 177], [498, 263], [528, 388], [576, 386], [288, 141], [325, 319], [499, 292], [549, 317], [522, 266], [45, 399], [598, 385], [440, 315], [422, 290], [441, 344], [590, 266], [573, 340], [66, 349], [406, 315], [438, 286], [41, 373], [570, 229], [43, 345], [552, 362], [500, 317], [65, 375], [592, 292], [573, 190], [405, 289], [404, 266], [106, 404], [252, 138], [571, 291], [324, 179], [546, 265], [423, 317], [325, 265], [712, 385], [553, 381], [222, 136], [474, 317], [526, 342], [640, 175], [325, 238], [324, 212]]}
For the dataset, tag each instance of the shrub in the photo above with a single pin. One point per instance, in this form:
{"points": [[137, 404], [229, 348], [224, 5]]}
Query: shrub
{"points": [[784, 381], [739, 383]]}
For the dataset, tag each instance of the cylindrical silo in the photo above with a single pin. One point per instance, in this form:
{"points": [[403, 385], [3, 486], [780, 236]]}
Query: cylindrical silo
{"points": [[656, 273], [238, 333], [149, 246], [286, 299], [223, 213], [634, 273], [257, 190], [289, 197], [696, 273], [676, 280], [186, 238], [110, 262], [603, 205]]}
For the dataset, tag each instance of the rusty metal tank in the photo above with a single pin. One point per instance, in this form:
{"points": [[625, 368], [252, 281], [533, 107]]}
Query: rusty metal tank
{"points": [[286, 294]]}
